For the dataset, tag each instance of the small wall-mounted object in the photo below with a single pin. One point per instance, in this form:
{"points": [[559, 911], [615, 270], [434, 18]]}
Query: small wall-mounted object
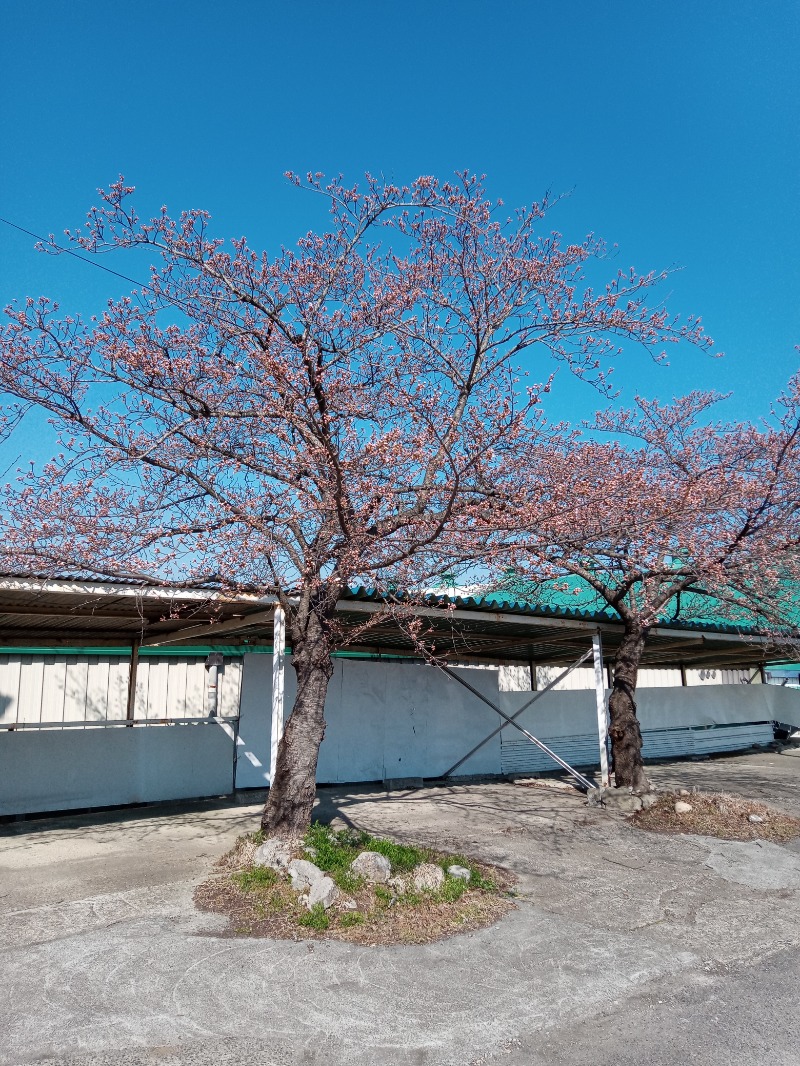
{"points": [[213, 662]]}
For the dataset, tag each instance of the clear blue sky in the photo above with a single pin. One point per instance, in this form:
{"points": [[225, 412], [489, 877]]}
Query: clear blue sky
{"points": [[675, 124]]}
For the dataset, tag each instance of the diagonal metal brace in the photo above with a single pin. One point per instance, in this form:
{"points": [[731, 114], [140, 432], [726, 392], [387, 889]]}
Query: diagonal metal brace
{"points": [[537, 696], [509, 720]]}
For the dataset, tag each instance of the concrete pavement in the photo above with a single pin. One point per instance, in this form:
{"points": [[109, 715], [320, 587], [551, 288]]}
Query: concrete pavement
{"points": [[624, 947]]}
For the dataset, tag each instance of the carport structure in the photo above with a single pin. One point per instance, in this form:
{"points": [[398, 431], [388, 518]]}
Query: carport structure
{"points": [[136, 619]]}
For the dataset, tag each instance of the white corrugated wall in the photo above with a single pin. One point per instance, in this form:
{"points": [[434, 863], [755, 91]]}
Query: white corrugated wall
{"points": [[48, 689], [514, 678]]}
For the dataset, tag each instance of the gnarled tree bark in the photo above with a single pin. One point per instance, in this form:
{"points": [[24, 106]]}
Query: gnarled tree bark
{"points": [[626, 736], [291, 796]]}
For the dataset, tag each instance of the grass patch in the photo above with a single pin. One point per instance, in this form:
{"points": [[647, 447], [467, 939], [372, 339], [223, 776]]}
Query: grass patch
{"points": [[255, 878], [718, 815], [345, 880], [316, 918], [403, 857], [383, 895], [261, 902], [452, 890], [476, 877], [334, 850]]}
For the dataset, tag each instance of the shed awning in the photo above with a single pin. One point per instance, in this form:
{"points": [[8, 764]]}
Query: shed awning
{"points": [[60, 613]]}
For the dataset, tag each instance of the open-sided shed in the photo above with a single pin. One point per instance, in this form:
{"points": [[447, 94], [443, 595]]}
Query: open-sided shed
{"points": [[89, 668]]}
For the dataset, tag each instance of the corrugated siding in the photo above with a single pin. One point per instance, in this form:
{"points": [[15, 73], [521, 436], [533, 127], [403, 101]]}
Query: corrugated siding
{"points": [[517, 678], [749, 675], [521, 756], [50, 689]]}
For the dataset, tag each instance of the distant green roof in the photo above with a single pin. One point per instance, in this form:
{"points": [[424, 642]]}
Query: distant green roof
{"points": [[570, 597], [574, 596]]}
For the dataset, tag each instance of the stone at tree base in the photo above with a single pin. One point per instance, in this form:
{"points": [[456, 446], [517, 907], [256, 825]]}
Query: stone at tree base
{"points": [[460, 872], [648, 799], [275, 854], [398, 885], [428, 877], [304, 874], [622, 800], [683, 808], [372, 866], [323, 891]]}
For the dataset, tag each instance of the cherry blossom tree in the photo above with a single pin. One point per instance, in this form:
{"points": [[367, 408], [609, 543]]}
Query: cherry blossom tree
{"points": [[291, 424], [675, 518]]}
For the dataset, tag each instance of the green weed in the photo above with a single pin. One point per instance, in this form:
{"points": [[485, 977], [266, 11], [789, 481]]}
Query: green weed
{"points": [[476, 879], [452, 890], [411, 899], [345, 880], [479, 881], [316, 918], [351, 918], [383, 895], [335, 850], [330, 852], [401, 856], [257, 877]]}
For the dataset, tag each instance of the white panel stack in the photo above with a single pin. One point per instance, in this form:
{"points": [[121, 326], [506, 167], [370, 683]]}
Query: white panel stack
{"points": [[91, 690]]}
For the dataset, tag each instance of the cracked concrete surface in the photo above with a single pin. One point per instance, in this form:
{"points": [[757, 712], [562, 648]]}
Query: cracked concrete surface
{"points": [[104, 960]]}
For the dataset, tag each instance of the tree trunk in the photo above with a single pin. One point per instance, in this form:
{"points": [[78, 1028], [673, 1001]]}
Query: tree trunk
{"points": [[626, 736], [287, 813]]}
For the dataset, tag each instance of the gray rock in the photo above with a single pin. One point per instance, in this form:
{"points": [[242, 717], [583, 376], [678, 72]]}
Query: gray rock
{"points": [[398, 885], [622, 800], [594, 797], [276, 854], [428, 877], [348, 904], [323, 891], [304, 874], [683, 808], [372, 867], [648, 799], [460, 871], [756, 819]]}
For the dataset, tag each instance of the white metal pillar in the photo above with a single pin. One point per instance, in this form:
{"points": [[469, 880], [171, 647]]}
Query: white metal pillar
{"points": [[602, 710], [278, 658]]}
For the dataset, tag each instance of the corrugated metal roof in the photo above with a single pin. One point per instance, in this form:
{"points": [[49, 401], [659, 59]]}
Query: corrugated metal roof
{"points": [[507, 603], [493, 625]]}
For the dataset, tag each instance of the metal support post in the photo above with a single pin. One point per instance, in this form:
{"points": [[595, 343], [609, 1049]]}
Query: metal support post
{"points": [[532, 671], [130, 710], [278, 659], [602, 709]]}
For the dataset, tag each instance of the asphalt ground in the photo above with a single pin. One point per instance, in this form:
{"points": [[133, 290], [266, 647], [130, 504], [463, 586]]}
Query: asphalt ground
{"points": [[625, 947]]}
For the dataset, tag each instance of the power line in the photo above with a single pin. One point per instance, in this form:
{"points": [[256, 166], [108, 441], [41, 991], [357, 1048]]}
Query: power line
{"points": [[68, 251]]}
